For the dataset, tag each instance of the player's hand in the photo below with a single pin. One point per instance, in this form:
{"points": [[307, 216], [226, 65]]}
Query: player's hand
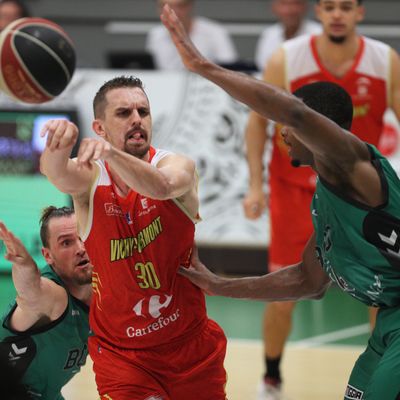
{"points": [[254, 204], [61, 134], [200, 275], [189, 54], [92, 149], [16, 252]]}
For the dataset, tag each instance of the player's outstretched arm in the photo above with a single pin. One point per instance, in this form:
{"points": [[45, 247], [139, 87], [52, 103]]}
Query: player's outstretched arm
{"points": [[332, 149], [172, 177], [300, 281], [55, 162], [37, 298], [267, 100]]}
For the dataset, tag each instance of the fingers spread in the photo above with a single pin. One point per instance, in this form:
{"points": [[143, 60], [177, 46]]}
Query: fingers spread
{"points": [[61, 134]]}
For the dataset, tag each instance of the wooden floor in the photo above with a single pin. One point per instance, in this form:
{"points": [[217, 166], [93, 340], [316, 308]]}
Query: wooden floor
{"points": [[310, 373]]}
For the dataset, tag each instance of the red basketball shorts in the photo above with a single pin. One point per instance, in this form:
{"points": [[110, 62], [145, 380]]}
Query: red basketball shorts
{"points": [[188, 369], [291, 224]]}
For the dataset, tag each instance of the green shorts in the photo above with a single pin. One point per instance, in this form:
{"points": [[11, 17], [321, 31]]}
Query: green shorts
{"points": [[376, 374]]}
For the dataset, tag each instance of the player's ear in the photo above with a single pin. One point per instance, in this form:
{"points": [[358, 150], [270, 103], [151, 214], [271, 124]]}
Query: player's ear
{"points": [[97, 126], [47, 255], [360, 13]]}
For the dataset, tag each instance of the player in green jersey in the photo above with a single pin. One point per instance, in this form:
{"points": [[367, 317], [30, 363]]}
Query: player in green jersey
{"points": [[356, 210], [44, 333]]}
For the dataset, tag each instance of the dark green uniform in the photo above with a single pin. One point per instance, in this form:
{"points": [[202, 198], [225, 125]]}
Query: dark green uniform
{"points": [[359, 248], [48, 357]]}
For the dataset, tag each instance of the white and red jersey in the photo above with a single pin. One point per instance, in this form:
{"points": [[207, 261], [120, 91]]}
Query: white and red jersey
{"points": [[366, 81], [136, 245]]}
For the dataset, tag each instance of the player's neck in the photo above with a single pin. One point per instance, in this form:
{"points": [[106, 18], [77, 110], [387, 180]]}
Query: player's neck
{"points": [[291, 31], [338, 58], [338, 51]]}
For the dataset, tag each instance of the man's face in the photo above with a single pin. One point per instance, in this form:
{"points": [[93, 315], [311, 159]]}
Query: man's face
{"points": [[9, 12], [339, 18], [126, 122], [66, 252], [290, 12]]}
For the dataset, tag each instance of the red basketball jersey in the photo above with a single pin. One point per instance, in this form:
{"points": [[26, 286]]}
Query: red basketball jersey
{"points": [[366, 82], [136, 245]]}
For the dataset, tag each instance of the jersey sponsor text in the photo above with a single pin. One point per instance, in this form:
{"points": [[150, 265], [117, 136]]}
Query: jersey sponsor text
{"points": [[124, 248], [160, 323]]}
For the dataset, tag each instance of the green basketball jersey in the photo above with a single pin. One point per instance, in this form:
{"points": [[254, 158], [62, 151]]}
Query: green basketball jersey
{"points": [[48, 357], [359, 246]]}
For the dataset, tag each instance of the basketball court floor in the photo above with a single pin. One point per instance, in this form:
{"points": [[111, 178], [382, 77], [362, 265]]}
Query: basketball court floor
{"points": [[327, 337]]}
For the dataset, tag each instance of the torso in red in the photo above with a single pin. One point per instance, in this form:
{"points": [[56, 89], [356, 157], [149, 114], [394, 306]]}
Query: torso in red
{"points": [[136, 245], [366, 82]]}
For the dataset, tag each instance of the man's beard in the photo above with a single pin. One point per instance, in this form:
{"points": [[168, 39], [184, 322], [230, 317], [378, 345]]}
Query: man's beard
{"points": [[337, 39], [138, 152], [82, 278], [79, 278]]}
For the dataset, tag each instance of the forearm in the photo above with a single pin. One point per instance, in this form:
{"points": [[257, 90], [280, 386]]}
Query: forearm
{"points": [[59, 170], [141, 176], [255, 138], [267, 100], [45, 303], [54, 164], [26, 278], [278, 105], [64, 173], [287, 284]]}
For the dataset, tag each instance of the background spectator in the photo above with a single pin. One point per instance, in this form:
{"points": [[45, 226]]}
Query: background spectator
{"points": [[291, 23], [210, 37], [11, 10]]}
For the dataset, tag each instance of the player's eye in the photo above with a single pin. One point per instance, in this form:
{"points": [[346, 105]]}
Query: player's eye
{"points": [[124, 113], [143, 112]]}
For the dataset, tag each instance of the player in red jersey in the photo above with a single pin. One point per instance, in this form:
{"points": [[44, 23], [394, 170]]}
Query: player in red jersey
{"points": [[136, 207], [370, 72]]}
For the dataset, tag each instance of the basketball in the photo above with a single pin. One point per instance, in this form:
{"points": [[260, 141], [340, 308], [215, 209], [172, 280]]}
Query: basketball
{"points": [[37, 60]]}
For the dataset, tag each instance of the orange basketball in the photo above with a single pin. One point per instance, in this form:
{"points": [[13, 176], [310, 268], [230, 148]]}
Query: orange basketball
{"points": [[37, 60]]}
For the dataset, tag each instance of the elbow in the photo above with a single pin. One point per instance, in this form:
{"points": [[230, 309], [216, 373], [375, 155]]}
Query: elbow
{"points": [[319, 292], [318, 295], [163, 191], [177, 184]]}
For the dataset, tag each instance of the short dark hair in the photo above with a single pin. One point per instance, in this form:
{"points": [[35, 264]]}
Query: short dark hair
{"points": [[48, 214], [99, 100], [328, 99], [23, 9]]}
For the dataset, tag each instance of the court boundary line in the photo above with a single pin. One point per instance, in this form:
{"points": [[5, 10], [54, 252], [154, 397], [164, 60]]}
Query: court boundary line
{"points": [[333, 336], [325, 339]]}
